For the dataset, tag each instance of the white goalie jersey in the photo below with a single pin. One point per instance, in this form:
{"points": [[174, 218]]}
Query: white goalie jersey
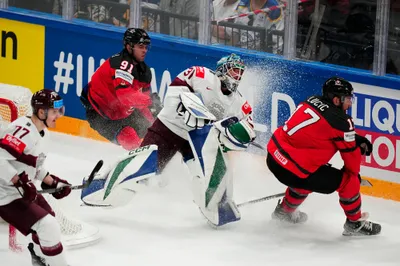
{"points": [[20, 145], [203, 82]]}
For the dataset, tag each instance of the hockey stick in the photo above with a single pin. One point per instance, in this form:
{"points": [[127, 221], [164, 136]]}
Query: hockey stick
{"points": [[90, 179], [259, 146], [261, 199], [364, 183]]}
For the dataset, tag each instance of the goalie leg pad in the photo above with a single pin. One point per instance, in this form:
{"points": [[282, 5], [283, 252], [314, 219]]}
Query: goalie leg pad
{"points": [[212, 177], [117, 186]]}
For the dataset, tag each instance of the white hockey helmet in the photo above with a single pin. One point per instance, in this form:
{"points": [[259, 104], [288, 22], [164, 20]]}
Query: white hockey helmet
{"points": [[230, 70]]}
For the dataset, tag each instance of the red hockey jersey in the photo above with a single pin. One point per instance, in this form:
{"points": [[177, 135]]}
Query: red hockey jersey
{"points": [[312, 135], [119, 86]]}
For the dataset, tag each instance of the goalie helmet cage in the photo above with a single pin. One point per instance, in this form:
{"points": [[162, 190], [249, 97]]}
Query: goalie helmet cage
{"points": [[15, 102]]}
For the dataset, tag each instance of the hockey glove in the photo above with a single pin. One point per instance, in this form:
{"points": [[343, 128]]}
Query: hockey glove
{"points": [[58, 183], [30, 192], [195, 113], [191, 120], [364, 144], [235, 134], [156, 105]]}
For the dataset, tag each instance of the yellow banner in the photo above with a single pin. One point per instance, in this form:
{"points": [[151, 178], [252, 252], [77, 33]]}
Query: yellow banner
{"points": [[22, 54]]}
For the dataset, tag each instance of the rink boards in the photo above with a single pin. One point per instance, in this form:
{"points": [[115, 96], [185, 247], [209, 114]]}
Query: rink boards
{"points": [[45, 51]]}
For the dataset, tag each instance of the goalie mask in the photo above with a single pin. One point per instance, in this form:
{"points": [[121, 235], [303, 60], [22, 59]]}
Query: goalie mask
{"points": [[230, 70]]}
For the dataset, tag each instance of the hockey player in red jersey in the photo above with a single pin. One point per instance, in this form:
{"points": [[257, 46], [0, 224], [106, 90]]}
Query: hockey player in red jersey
{"points": [[298, 153], [21, 161], [117, 99]]}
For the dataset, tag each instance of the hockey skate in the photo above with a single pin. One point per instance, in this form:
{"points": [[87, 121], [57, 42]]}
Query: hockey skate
{"points": [[296, 217], [36, 260], [361, 227]]}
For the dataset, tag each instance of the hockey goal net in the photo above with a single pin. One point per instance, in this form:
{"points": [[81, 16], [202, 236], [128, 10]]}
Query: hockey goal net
{"points": [[15, 102]]}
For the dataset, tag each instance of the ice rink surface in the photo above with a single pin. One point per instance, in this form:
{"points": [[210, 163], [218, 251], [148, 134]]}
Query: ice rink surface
{"points": [[162, 226]]}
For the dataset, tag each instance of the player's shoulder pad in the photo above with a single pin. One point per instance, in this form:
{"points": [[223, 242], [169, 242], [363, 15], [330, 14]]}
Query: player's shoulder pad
{"points": [[23, 121], [335, 117], [18, 134], [143, 73], [115, 60], [201, 72], [195, 72], [116, 55]]}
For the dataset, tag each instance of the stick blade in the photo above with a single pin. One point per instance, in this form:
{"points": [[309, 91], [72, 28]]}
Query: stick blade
{"points": [[365, 183], [95, 170]]}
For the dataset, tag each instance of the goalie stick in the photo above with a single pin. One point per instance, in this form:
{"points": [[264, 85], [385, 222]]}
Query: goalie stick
{"points": [[95, 170]]}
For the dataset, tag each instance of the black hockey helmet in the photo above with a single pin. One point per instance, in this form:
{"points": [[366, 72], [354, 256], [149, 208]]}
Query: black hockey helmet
{"points": [[134, 36], [46, 99], [337, 87]]}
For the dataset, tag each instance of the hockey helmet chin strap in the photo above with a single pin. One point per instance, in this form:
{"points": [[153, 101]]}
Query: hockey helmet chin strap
{"points": [[59, 105], [45, 118]]}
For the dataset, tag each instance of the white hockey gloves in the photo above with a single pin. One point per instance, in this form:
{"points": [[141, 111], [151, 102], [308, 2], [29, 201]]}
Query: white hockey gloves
{"points": [[195, 114], [235, 134]]}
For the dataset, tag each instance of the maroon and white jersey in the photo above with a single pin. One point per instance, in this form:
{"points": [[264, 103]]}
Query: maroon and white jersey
{"points": [[20, 144], [203, 82]]}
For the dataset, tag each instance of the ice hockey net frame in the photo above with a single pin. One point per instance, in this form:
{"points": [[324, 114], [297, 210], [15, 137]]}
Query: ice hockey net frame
{"points": [[15, 102]]}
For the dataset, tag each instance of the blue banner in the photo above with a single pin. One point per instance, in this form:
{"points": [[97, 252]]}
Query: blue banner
{"points": [[274, 86]]}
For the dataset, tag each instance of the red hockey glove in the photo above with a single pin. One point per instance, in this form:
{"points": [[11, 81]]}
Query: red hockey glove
{"points": [[29, 188], [58, 183]]}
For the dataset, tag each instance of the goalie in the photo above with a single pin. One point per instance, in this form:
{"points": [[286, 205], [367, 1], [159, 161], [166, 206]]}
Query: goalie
{"points": [[195, 98]]}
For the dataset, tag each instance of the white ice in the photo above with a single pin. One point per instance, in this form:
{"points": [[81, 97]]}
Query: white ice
{"points": [[164, 227]]}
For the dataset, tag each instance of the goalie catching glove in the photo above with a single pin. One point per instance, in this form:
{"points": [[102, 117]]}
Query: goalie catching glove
{"points": [[235, 134], [195, 114]]}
